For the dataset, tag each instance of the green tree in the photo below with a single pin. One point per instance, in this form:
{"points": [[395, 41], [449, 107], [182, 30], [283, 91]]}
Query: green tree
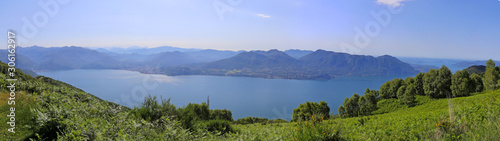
{"points": [[437, 83], [461, 84], [477, 81], [430, 86], [352, 107], [409, 95], [363, 106], [221, 114], [192, 113], [390, 88], [491, 76], [306, 110], [419, 84], [444, 82], [341, 111], [401, 92], [371, 99], [384, 90]]}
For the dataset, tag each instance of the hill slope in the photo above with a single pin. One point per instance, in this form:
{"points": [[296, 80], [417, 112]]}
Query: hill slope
{"points": [[467, 118]]}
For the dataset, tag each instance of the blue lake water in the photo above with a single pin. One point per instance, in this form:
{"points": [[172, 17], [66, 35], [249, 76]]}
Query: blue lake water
{"points": [[269, 98]]}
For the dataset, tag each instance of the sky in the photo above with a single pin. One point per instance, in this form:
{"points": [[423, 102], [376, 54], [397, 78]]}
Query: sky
{"points": [[455, 29]]}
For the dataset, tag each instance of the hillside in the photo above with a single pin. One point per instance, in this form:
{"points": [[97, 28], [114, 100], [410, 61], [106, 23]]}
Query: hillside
{"points": [[466, 118], [49, 109]]}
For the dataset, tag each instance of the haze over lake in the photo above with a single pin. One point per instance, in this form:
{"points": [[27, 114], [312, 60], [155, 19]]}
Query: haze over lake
{"points": [[269, 98]]}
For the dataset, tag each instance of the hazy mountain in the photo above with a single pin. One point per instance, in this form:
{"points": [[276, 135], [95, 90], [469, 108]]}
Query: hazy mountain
{"points": [[21, 61], [342, 64], [209, 55], [272, 59], [320, 64], [144, 50], [170, 59], [64, 58], [295, 53]]}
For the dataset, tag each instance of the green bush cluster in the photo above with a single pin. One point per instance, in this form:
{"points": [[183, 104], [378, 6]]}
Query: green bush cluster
{"points": [[436, 84], [251, 120], [306, 110]]}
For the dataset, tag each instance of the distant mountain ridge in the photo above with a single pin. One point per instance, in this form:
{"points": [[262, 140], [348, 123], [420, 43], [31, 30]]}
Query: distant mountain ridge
{"points": [[320, 64], [304, 64]]}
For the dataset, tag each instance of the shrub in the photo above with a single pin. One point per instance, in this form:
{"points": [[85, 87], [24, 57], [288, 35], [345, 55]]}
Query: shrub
{"points": [[220, 127], [316, 130], [151, 110], [193, 112], [306, 110], [221, 114], [251, 120]]}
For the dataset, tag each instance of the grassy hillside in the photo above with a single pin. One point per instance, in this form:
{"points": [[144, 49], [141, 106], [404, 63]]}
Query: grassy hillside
{"points": [[48, 109]]}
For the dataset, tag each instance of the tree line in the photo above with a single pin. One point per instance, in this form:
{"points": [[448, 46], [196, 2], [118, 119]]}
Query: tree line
{"points": [[436, 84]]}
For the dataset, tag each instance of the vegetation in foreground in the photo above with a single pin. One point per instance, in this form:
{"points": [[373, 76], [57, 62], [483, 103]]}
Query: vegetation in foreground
{"points": [[52, 110]]}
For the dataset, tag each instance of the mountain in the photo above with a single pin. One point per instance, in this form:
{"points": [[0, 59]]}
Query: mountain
{"points": [[64, 58], [343, 64], [472, 63], [320, 64], [479, 69], [295, 53], [22, 61], [144, 50], [272, 59], [208, 55], [171, 59]]}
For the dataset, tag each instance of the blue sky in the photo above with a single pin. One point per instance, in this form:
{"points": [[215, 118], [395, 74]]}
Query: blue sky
{"points": [[461, 29]]}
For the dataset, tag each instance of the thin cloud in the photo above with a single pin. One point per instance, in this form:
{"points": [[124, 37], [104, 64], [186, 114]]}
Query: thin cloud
{"points": [[394, 3], [263, 16]]}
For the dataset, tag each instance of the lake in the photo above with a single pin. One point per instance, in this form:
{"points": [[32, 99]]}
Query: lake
{"points": [[258, 97]]}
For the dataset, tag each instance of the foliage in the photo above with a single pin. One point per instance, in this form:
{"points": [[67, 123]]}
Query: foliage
{"points": [[437, 83], [351, 106], [306, 110], [151, 110], [491, 76], [221, 114], [192, 113], [419, 84], [477, 82], [52, 110], [316, 130], [220, 127], [390, 88], [251, 120], [462, 84]]}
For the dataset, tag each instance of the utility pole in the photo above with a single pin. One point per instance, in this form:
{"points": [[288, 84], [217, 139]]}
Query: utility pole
{"points": [[208, 101]]}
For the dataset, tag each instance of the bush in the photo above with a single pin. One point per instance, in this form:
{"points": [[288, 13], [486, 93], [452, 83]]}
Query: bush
{"points": [[220, 127], [151, 110], [221, 114], [193, 112], [316, 130], [251, 120], [306, 110]]}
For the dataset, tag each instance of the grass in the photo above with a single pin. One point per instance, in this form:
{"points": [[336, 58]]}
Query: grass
{"points": [[466, 118], [47, 109]]}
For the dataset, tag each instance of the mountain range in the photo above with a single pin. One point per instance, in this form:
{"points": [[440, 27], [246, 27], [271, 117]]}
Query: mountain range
{"points": [[289, 64]]}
